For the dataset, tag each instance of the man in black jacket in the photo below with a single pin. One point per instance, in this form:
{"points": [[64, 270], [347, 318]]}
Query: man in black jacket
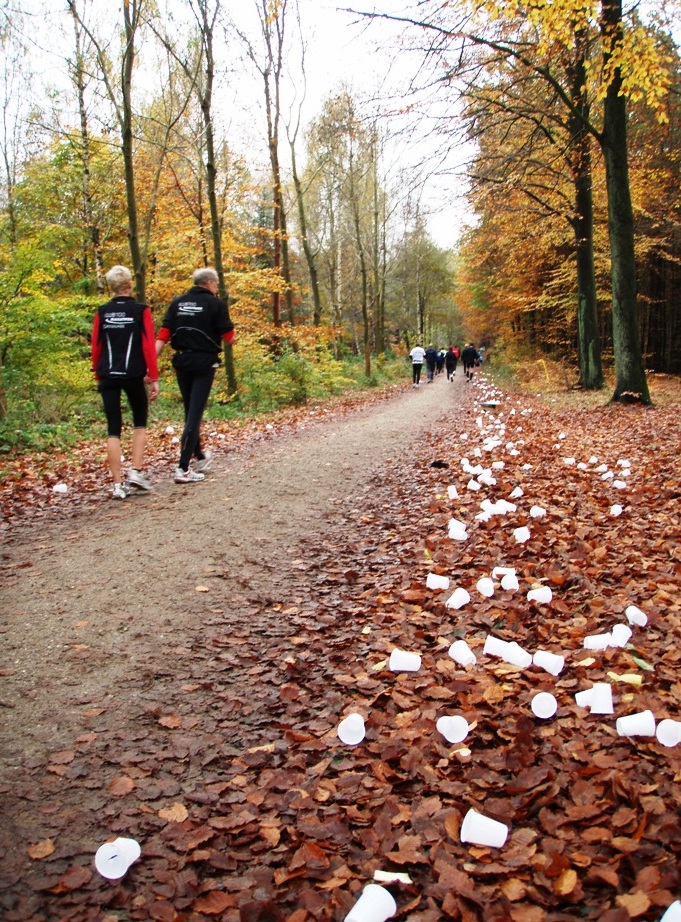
{"points": [[195, 324], [469, 357]]}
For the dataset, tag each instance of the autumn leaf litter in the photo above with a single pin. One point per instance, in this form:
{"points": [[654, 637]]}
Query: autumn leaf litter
{"points": [[294, 824]]}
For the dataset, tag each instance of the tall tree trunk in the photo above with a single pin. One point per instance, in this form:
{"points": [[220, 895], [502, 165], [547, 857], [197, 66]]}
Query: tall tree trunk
{"points": [[630, 383], [138, 262], [590, 366], [307, 249], [88, 213]]}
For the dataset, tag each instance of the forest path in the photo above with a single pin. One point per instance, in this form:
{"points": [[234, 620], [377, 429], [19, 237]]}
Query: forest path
{"points": [[88, 600]]}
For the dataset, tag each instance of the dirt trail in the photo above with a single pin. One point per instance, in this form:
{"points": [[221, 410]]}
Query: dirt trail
{"points": [[86, 600]]}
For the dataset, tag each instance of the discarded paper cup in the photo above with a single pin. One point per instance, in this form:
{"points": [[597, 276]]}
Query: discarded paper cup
{"points": [[620, 634], [673, 912], [517, 656], [500, 572], [537, 512], [113, 859], [376, 904], [509, 582], [640, 724], [458, 598], [583, 698], [551, 662], [601, 698], [521, 534], [462, 654], [434, 581], [351, 730], [454, 728], [483, 830], [485, 586], [669, 732], [452, 492], [636, 616], [403, 661], [542, 595], [495, 646], [544, 705], [598, 641], [616, 510], [457, 531]]}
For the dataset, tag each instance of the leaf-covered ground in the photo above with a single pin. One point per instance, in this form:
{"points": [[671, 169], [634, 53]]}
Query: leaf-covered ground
{"points": [[225, 762]]}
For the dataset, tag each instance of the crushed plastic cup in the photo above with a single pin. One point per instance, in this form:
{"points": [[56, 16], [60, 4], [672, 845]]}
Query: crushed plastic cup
{"points": [[537, 512], [616, 510], [673, 912], [635, 616], [435, 581], [462, 654], [454, 728], [376, 904], [668, 732], [479, 829], [351, 730], [601, 698], [544, 705], [485, 586], [473, 485], [113, 859], [516, 493], [452, 492], [457, 530], [509, 582], [521, 534], [642, 723], [458, 598], [60, 488], [404, 661], [598, 641], [620, 634], [551, 662], [542, 595]]}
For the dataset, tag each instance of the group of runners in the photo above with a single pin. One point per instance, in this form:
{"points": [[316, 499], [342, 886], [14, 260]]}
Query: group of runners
{"points": [[124, 359], [436, 360]]}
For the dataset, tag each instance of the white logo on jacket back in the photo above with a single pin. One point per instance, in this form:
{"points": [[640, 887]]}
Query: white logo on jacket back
{"points": [[189, 307]]}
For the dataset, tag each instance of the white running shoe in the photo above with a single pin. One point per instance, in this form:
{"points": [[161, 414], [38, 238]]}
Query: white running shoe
{"points": [[205, 463], [187, 476], [119, 491], [137, 479]]}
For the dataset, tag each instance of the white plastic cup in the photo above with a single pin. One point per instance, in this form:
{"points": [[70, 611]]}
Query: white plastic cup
{"points": [[452, 492], [620, 634], [113, 859], [542, 595], [473, 485], [601, 698], [457, 531], [351, 730], [551, 662], [435, 581], [668, 732], [537, 512], [509, 582], [598, 641], [485, 586], [521, 534], [500, 572], [462, 654], [454, 728], [584, 698], [673, 912], [517, 493], [616, 510], [495, 646], [458, 598], [636, 616], [517, 656], [479, 829], [642, 723], [375, 904], [544, 705], [403, 661]]}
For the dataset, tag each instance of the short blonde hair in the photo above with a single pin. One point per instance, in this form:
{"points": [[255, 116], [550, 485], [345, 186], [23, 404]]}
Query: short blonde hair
{"points": [[118, 278]]}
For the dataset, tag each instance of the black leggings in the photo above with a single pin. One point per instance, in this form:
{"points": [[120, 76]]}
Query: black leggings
{"points": [[195, 389], [135, 391], [416, 372]]}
